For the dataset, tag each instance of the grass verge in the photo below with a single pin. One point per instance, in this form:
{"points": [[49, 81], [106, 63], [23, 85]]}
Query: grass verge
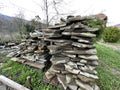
{"points": [[108, 60]]}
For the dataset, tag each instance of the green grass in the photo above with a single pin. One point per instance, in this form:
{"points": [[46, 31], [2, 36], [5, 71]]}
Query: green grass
{"points": [[108, 59], [19, 73], [118, 41]]}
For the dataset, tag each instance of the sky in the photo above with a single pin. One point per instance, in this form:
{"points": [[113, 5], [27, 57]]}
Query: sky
{"points": [[31, 8]]}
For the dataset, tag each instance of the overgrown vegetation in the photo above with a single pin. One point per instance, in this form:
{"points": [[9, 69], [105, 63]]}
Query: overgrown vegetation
{"points": [[111, 34], [96, 23]]}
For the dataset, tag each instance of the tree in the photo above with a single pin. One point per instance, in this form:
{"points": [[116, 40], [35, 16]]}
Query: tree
{"points": [[50, 7], [20, 22], [29, 28]]}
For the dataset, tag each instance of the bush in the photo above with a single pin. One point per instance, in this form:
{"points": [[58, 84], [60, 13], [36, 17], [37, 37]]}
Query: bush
{"points": [[111, 34], [96, 23]]}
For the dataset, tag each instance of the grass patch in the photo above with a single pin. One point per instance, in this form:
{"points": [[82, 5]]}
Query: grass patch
{"points": [[19, 73], [118, 41], [108, 58]]}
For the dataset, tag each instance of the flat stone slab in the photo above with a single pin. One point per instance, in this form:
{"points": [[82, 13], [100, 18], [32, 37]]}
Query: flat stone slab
{"points": [[80, 45], [89, 35], [30, 63], [82, 52], [57, 26]]}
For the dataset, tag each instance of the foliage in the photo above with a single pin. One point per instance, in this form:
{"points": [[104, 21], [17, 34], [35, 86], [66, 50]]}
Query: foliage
{"points": [[109, 65], [29, 28], [96, 23], [19, 73], [111, 34]]}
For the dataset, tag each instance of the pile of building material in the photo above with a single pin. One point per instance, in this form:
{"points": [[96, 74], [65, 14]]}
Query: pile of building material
{"points": [[74, 58], [32, 51], [70, 44]]}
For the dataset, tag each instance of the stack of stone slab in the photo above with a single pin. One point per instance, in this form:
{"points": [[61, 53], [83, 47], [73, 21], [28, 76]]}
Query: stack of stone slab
{"points": [[74, 58], [33, 51]]}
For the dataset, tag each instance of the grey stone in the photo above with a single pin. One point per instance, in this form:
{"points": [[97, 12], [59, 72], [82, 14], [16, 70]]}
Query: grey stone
{"points": [[73, 87], [53, 70], [29, 57], [14, 59], [12, 54], [69, 55], [96, 87], [90, 51], [93, 63], [71, 70], [85, 79], [1, 64], [62, 80], [49, 75], [88, 75], [80, 64], [83, 85], [72, 64], [87, 69], [91, 67], [80, 45], [88, 35], [57, 26], [2, 87], [68, 78], [36, 34], [88, 57], [83, 61], [59, 60]]}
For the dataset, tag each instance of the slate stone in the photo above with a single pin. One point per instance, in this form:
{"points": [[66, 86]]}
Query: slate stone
{"points": [[85, 79], [49, 75], [83, 85], [84, 52], [62, 80], [88, 75], [88, 35], [80, 45], [73, 87], [71, 70], [57, 26], [88, 57], [69, 78]]}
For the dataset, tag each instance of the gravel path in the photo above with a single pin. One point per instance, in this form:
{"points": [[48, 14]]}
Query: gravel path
{"points": [[114, 46]]}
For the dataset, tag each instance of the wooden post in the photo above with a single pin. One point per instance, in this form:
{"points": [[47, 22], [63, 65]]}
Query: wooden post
{"points": [[29, 83], [12, 84]]}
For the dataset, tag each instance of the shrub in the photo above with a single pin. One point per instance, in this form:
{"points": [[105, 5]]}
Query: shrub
{"points": [[96, 23], [111, 34]]}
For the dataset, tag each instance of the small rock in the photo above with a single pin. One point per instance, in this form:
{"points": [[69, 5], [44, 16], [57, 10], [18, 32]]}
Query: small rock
{"points": [[73, 87], [62, 80], [49, 76], [85, 79], [68, 78], [88, 57], [83, 85], [72, 64], [88, 75]]}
